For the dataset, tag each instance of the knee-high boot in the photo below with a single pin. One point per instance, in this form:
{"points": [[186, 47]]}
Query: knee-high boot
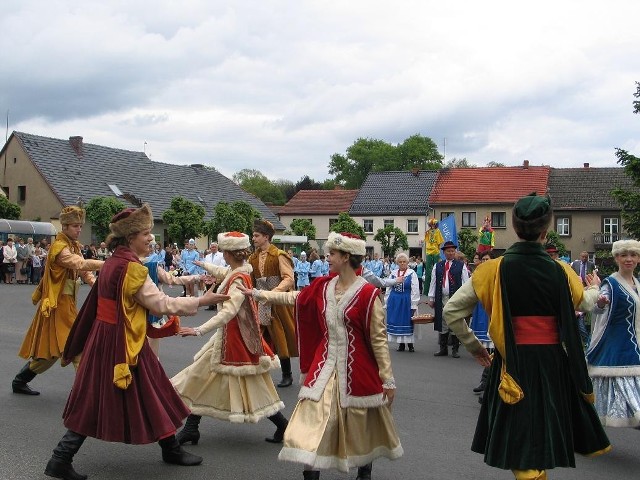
{"points": [[311, 475], [281, 423], [172, 452], [483, 381], [24, 376], [190, 432], [287, 376], [364, 472], [455, 347], [60, 464], [442, 340]]}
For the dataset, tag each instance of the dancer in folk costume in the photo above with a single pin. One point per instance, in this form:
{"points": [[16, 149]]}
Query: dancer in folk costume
{"points": [[432, 240], [486, 237], [229, 378], [342, 418], [401, 302], [273, 270], [121, 393], [55, 297], [538, 404], [613, 355]]}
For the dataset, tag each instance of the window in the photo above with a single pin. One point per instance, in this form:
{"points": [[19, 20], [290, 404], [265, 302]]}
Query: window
{"points": [[388, 223], [331, 222], [499, 219], [22, 193], [563, 226], [367, 225], [610, 229], [444, 215], [412, 226], [6, 191], [468, 219]]}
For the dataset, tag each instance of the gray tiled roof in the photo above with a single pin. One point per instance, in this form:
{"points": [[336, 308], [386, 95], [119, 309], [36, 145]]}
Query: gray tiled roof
{"points": [[72, 177], [586, 188], [395, 193]]}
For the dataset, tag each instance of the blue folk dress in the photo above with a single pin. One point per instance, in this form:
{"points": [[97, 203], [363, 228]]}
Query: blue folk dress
{"points": [[401, 299]]}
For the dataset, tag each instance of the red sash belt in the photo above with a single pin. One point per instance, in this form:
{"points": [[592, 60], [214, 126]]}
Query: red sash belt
{"points": [[107, 311], [535, 330]]}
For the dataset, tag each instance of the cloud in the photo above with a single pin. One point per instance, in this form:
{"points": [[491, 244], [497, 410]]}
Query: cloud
{"points": [[280, 86]]}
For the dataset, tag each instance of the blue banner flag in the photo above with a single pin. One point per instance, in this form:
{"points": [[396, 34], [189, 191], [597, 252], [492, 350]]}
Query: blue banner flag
{"points": [[449, 232]]}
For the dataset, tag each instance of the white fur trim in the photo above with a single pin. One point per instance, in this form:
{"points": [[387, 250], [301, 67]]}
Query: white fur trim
{"points": [[233, 417], [230, 241], [336, 241], [622, 246], [594, 371], [315, 461]]}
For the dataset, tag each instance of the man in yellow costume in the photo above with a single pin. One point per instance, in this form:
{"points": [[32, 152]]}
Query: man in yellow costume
{"points": [[432, 240], [273, 270], [55, 297]]}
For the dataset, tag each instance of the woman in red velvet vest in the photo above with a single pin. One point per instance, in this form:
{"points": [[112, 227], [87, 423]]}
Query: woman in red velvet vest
{"points": [[229, 378], [342, 418]]}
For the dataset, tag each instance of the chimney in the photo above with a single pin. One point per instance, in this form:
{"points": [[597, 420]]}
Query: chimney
{"points": [[525, 164], [415, 171], [76, 144], [586, 165]]}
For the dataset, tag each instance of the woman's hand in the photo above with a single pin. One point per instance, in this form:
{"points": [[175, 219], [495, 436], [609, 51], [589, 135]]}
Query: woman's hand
{"points": [[187, 332], [247, 292], [388, 394], [592, 279], [602, 301], [198, 263]]}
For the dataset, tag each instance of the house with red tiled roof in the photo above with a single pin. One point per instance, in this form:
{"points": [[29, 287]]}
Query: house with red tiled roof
{"points": [[322, 207], [471, 194]]}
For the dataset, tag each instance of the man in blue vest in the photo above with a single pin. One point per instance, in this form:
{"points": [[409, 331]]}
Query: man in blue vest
{"points": [[447, 276]]}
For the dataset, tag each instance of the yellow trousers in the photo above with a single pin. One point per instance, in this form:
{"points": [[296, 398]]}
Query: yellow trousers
{"points": [[530, 474]]}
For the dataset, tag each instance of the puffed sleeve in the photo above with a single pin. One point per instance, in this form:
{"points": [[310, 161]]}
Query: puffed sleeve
{"points": [[76, 262], [459, 307], [216, 271], [168, 279], [158, 303], [380, 346], [277, 298], [229, 309]]}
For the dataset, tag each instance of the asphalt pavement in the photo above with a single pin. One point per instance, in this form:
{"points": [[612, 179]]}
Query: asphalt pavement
{"points": [[435, 413]]}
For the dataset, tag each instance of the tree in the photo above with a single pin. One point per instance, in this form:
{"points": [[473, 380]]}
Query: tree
{"points": [[391, 239], [253, 181], [629, 200], [495, 164], [100, 211], [303, 226], [9, 210], [467, 240], [346, 224], [237, 216], [418, 152], [184, 219], [459, 163], [554, 239], [368, 154], [287, 187]]}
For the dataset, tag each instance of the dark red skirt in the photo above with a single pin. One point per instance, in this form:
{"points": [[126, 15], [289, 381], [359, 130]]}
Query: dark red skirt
{"points": [[148, 410]]}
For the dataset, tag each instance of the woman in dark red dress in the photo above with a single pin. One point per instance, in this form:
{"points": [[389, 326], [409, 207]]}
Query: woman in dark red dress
{"points": [[121, 392]]}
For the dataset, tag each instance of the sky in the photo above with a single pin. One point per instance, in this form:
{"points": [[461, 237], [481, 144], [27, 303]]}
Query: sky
{"points": [[280, 86]]}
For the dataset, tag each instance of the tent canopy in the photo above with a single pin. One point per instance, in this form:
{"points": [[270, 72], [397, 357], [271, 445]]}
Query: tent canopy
{"points": [[23, 227]]}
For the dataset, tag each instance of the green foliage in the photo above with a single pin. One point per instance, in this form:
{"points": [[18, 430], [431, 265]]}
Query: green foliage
{"points": [[372, 155], [8, 210], [495, 164], [467, 240], [227, 217], [100, 211], [288, 188], [347, 224], [629, 200], [391, 240], [303, 226], [184, 219], [253, 181], [605, 263], [459, 163], [554, 239]]}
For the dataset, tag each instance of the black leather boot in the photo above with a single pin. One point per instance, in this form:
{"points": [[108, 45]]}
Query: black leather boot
{"points": [[444, 350], [364, 473], [311, 475], [190, 432], [411, 349], [24, 376], [483, 381], [281, 423], [59, 466], [455, 347], [287, 377], [401, 347], [173, 453]]}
